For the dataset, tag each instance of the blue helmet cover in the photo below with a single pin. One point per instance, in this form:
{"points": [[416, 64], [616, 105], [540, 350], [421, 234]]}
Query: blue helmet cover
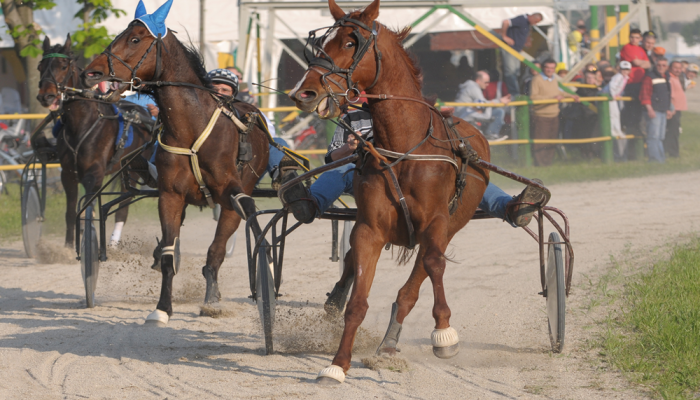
{"points": [[154, 22]]}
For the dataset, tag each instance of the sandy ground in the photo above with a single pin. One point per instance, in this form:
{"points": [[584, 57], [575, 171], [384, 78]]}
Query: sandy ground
{"points": [[52, 347]]}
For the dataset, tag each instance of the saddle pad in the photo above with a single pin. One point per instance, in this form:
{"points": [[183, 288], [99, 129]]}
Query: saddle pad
{"points": [[130, 137]]}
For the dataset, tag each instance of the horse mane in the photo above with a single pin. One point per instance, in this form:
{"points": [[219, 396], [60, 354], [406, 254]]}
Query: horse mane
{"points": [[409, 58], [194, 59]]}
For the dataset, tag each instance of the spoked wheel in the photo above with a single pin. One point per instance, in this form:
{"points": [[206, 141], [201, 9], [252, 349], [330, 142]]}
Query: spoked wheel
{"points": [[344, 245], [231, 244], [556, 293], [89, 258], [267, 301], [31, 218]]}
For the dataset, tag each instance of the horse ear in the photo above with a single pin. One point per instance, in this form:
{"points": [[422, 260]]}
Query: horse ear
{"points": [[66, 47], [47, 45], [161, 13], [140, 10], [336, 11], [371, 12]]}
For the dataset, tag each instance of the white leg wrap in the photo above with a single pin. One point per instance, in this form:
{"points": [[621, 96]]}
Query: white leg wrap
{"points": [[158, 316], [444, 337], [333, 372], [116, 234], [153, 170]]}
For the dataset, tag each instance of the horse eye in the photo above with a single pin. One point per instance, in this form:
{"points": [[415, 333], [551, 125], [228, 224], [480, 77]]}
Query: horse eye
{"points": [[349, 45], [135, 40]]}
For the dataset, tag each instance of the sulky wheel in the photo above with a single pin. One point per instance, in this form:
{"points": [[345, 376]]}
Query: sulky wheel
{"points": [[556, 292], [265, 290], [89, 258], [31, 218], [344, 245]]}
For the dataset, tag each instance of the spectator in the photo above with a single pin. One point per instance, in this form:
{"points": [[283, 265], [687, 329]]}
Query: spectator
{"points": [[692, 75], [655, 96], [243, 92], [576, 41], [588, 126], [684, 64], [608, 73], [471, 91], [656, 53], [546, 116], [680, 103], [649, 42], [515, 32], [631, 116], [497, 88], [527, 82], [616, 88], [563, 72]]}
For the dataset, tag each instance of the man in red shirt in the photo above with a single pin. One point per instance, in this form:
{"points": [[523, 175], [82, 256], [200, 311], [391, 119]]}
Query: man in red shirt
{"points": [[633, 111]]}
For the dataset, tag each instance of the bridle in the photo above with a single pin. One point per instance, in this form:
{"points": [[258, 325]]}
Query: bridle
{"points": [[136, 82], [321, 59], [49, 76]]}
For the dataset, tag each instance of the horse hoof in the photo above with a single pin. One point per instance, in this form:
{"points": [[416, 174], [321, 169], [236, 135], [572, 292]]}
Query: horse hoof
{"points": [[446, 352], [387, 351], [445, 342], [331, 376], [157, 318]]}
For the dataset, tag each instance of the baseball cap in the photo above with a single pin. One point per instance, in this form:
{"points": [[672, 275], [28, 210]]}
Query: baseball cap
{"points": [[659, 51], [625, 65], [649, 33], [694, 68]]}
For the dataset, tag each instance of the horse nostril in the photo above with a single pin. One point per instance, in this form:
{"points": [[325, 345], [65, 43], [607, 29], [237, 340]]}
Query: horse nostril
{"points": [[306, 95]]}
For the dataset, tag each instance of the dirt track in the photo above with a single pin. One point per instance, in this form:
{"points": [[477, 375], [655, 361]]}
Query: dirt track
{"points": [[52, 347]]}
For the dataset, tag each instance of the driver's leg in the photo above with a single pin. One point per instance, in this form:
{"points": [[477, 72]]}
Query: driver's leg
{"points": [[309, 204], [500, 204]]}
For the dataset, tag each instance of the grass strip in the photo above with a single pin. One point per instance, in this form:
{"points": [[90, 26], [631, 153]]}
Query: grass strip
{"points": [[655, 340]]}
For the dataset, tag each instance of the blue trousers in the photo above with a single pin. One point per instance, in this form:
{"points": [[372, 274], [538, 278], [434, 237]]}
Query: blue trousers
{"points": [[656, 133], [511, 72], [331, 184]]}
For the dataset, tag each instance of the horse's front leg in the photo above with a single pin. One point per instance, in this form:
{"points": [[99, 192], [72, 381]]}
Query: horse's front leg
{"points": [[366, 246], [444, 338], [170, 208], [336, 298], [228, 223], [70, 185]]}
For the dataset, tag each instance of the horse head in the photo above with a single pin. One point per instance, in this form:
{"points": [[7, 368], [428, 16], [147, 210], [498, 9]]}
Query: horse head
{"points": [[56, 70], [345, 62], [135, 54]]}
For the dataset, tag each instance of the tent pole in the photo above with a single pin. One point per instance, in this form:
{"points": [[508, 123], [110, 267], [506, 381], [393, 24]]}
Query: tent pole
{"points": [[410, 42], [259, 56], [202, 39], [610, 22], [595, 32], [424, 16]]}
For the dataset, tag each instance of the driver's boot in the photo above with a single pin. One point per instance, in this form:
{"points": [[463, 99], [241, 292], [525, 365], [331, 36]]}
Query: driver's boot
{"points": [[145, 170], [519, 211]]}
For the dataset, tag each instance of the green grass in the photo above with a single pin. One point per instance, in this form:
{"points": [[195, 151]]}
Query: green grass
{"points": [[577, 169], [655, 338]]}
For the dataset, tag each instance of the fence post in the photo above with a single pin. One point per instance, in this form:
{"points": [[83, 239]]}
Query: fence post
{"points": [[522, 119], [605, 130]]}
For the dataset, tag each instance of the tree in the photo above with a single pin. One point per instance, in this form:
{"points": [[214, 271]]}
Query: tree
{"points": [[691, 32], [91, 39], [19, 17]]}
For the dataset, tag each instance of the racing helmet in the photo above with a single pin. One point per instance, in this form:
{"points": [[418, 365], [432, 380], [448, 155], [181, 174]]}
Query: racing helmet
{"points": [[224, 76]]}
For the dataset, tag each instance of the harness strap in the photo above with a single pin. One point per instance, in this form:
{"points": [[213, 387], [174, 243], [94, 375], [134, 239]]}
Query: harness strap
{"points": [[416, 157], [192, 153]]}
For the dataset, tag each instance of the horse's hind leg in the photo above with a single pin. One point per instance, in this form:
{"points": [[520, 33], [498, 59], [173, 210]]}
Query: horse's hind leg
{"points": [[444, 338], [405, 301], [228, 223], [170, 208]]}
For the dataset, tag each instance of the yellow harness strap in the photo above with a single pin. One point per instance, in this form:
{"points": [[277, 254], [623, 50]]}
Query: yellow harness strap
{"points": [[192, 153]]}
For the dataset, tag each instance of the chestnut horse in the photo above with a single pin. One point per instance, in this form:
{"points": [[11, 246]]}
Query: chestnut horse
{"points": [[359, 54], [87, 142], [184, 96]]}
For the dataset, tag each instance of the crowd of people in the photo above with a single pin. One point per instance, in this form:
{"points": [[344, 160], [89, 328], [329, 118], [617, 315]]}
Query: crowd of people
{"points": [[641, 71]]}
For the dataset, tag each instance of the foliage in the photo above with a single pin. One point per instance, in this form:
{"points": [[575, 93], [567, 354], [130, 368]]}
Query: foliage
{"points": [[691, 32], [655, 340], [92, 39]]}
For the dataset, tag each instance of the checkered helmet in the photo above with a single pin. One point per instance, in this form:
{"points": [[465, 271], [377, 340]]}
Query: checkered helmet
{"points": [[225, 77]]}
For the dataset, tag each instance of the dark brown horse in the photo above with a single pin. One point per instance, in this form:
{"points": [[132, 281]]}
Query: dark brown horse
{"points": [[86, 145], [186, 109], [428, 186]]}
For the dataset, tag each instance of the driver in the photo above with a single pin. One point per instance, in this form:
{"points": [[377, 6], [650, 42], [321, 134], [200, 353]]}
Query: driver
{"points": [[307, 204]]}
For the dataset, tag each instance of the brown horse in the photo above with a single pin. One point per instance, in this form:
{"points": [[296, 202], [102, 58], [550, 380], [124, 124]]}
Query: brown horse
{"points": [[187, 105], [86, 145], [358, 54]]}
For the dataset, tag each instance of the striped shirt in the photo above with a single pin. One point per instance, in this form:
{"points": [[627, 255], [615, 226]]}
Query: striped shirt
{"points": [[359, 120]]}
